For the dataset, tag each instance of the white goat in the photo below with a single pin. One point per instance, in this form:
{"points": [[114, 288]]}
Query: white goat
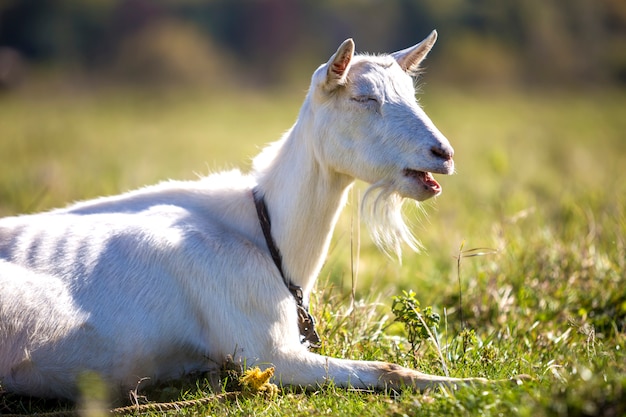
{"points": [[173, 278]]}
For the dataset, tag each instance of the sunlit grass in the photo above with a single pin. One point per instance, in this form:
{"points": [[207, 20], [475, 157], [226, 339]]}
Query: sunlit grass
{"points": [[540, 180], [64, 148]]}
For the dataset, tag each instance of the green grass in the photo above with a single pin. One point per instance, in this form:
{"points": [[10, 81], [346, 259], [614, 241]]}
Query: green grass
{"points": [[540, 179]]}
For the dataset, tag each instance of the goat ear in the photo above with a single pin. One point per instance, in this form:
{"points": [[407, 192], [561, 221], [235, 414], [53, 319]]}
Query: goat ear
{"points": [[410, 58], [338, 65]]}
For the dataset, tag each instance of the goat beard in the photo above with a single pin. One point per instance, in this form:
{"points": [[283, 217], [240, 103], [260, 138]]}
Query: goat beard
{"points": [[381, 209]]}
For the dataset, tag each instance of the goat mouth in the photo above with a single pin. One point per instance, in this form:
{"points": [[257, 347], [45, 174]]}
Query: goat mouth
{"points": [[425, 180]]}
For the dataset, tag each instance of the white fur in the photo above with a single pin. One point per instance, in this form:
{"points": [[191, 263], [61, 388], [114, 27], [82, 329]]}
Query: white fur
{"points": [[174, 277]]}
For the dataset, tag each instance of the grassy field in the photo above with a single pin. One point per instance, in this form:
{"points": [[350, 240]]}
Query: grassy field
{"points": [[541, 185]]}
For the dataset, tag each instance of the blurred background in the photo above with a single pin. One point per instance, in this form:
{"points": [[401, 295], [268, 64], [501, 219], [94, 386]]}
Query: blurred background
{"points": [[259, 43]]}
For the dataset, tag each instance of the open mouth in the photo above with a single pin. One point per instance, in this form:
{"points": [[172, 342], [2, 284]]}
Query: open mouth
{"points": [[425, 179]]}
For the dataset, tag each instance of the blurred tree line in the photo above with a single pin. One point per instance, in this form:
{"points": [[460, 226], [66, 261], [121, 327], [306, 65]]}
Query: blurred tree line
{"points": [[261, 42]]}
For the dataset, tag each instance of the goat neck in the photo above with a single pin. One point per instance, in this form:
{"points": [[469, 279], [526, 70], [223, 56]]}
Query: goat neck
{"points": [[304, 198]]}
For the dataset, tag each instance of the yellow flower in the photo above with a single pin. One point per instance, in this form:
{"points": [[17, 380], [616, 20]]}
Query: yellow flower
{"points": [[254, 380]]}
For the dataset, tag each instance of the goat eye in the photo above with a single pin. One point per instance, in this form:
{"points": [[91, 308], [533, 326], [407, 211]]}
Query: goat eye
{"points": [[365, 99]]}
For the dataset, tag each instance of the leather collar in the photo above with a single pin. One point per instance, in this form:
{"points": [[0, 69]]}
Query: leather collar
{"points": [[306, 322]]}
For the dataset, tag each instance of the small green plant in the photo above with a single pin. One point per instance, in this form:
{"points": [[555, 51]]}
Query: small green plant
{"points": [[420, 324]]}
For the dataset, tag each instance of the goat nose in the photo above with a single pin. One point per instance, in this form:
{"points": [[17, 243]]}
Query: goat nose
{"points": [[442, 151]]}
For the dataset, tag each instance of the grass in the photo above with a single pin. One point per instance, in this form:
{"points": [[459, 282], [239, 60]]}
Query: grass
{"points": [[540, 180]]}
